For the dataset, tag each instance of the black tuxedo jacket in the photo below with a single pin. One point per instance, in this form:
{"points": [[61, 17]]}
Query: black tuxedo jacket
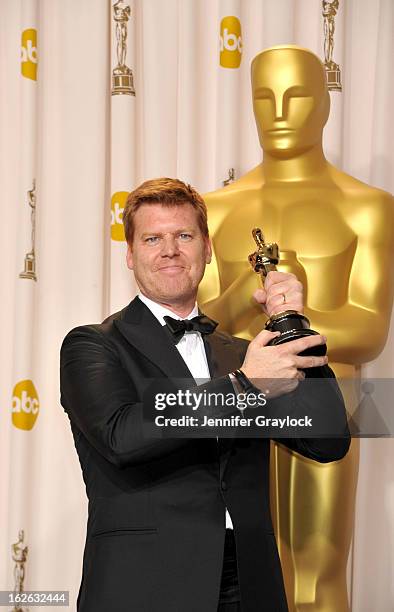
{"points": [[156, 524]]}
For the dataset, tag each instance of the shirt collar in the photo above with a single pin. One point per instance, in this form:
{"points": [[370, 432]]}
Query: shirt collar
{"points": [[160, 311]]}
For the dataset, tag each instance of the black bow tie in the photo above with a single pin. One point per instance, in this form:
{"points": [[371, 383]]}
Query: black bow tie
{"points": [[201, 324]]}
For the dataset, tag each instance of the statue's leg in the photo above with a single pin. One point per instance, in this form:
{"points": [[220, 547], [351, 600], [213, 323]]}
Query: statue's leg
{"points": [[123, 43], [326, 41], [118, 44], [331, 39], [313, 510]]}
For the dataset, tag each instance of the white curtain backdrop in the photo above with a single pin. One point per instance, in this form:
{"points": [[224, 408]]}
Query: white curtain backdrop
{"points": [[79, 150]]}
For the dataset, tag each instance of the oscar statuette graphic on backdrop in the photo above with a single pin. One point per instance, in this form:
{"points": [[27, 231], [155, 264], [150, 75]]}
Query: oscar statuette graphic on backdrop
{"points": [[29, 271], [122, 75], [19, 557], [230, 178], [333, 72]]}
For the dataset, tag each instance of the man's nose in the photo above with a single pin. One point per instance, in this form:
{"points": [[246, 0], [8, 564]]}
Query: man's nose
{"points": [[169, 247]]}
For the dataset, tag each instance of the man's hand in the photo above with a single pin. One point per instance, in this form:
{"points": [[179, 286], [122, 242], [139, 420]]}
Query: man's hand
{"points": [[282, 291], [279, 368]]}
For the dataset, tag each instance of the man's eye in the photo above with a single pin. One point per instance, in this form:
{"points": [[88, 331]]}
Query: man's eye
{"points": [[152, 239], [185, 236]]}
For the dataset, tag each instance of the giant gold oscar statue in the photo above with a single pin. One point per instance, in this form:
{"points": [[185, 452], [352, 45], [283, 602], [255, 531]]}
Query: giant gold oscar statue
{"points": [[337, 235]]}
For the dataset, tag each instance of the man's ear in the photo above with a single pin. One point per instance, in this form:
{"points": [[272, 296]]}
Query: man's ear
{"points": [[129, 258], [208, 251]]}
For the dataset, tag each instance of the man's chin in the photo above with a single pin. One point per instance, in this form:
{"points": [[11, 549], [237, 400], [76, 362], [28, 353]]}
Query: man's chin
{"points": [[174, 290]]}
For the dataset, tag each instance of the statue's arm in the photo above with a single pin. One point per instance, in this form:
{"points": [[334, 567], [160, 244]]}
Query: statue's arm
{"points": [[357, 330]]}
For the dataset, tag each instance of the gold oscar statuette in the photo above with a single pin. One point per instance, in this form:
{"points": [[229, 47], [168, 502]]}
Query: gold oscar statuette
{"points": [[333, 72], [122, 75], [328, 225], [290, 323], [230, 179], [19, 556], [30, 260]]}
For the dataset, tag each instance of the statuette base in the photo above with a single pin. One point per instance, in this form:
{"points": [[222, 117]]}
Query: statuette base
{"points": [[30, 268], [293, 325], [122, 81], [333, 76]]}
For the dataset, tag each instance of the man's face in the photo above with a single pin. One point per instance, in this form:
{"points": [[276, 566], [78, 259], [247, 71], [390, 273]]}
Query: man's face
{"points": [[169, 253], [290, 101]]}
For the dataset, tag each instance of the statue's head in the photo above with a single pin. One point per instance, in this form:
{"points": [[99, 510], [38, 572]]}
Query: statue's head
{"points": [[290, 99]]}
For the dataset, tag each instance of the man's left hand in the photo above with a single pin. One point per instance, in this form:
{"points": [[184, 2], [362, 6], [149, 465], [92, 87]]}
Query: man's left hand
{"points": [[282, 291]]}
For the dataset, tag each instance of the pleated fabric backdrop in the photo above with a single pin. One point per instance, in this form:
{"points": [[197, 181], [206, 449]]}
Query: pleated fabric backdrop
{"points": [[94, 99]]}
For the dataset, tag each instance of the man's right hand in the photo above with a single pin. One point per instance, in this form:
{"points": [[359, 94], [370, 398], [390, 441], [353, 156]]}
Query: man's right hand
{"points": [[279, 369]]}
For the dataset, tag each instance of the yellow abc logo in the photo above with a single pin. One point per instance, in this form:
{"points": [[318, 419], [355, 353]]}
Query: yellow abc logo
{"points": [[25, 405], [230, 42], [29, 54], [118, 202]]}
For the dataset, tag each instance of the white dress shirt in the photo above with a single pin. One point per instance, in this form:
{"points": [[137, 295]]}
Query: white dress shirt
{"points": [[190, 346]]}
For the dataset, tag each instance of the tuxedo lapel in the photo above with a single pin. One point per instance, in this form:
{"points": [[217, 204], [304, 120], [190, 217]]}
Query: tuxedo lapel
{"points": [[220, 356], [222, 359], [141, 328]]}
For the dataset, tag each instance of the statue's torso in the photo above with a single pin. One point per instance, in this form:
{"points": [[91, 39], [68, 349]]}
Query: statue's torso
{"points": [[318, 227], [315, 239]]}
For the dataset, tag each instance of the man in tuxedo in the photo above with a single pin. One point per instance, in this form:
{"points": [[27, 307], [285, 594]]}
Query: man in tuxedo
{"points": [[181, 524]]}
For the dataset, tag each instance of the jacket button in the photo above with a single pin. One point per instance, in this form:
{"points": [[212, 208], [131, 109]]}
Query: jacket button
{"points": [[223, 485]]}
